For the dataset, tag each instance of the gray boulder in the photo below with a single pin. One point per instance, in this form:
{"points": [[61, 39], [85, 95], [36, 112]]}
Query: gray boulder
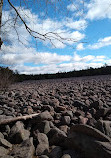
{"points": [[56, 136], [5, 143], [3, 151], [1, 135], [66, 156], [18, 133], [6, 156], [43, 127], [43, 144], [56, 152], [23, 150], [104, 127], [90, 141]]}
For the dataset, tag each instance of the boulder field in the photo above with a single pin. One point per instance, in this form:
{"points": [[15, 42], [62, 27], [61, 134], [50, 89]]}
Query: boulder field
{"points": [[57, 118]]}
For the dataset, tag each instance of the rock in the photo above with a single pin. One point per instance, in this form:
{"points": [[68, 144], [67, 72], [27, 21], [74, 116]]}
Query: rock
{"points": [[56, 152], [90, 141], [1, 112], [59, 108], [71, 153], [6, 156], [29, 110], [3, 151], [83, 120], [54, 102], [68, 113], [97, 104], [79, 113], [101, 112], [90, 131], [18, 133], [43, 144], [64, 128], [3, 117], [23, 150], [56, 136], [91, 122], [66, 156], [7, 129], [104, 127], [80, 105], [5, 143], [1, 135], [44, 127], [65, 120], [43, 156], [45, 116], [48, 108]]}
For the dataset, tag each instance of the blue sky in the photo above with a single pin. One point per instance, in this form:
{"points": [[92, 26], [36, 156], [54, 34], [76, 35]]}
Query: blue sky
{"points": [[86, 22]]}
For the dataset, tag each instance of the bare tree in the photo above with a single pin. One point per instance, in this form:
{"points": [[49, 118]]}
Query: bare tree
{"points": [[50, 36]]}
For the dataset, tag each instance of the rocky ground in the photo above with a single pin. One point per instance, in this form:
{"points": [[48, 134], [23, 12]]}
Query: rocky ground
{"points": [[73, 121]]}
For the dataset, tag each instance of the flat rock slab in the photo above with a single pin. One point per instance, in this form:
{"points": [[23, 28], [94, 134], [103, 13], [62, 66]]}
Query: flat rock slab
{"points": [[89, 141]]}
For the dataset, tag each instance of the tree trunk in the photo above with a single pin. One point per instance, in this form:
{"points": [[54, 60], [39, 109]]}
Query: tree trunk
{"points": [[1, 5]]}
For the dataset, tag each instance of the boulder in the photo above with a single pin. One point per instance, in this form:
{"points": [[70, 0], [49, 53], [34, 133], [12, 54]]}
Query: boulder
{"points": [[68, 113], [80, 105], [43, 127], [43, 156], [5, 143], [89, 141], [65, 120], [44, 116], [18, 133], [6, 156], [43, 144], [1, 135], [66, 156], [56, 136], [56, 152], [23, 150], [71, 153], [104, 127], [3, 151]]}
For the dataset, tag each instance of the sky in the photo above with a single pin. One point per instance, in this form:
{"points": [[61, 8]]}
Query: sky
{"points": [[80, 33]]}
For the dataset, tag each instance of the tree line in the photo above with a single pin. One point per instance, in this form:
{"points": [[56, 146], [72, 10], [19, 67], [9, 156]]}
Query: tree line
{"points": [[8, 76], [104, 70]]}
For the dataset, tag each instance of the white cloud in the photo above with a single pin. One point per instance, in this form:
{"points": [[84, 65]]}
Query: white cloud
{"points": [[72, 7], [80, 46], [101, 43], [32, 57], [99, 9], [88, 58], [77, 25], [45, 62]]}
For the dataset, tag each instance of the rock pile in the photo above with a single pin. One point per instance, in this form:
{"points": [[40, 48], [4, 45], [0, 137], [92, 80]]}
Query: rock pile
{"points": [[62, 118]]}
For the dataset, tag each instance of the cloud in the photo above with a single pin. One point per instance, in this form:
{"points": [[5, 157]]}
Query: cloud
{"points": [[32, 57], [53, 68], [101, 43], [77, 25], [80, 46], [98, 9], [72, 7], [88, 58], [32, 62]]}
